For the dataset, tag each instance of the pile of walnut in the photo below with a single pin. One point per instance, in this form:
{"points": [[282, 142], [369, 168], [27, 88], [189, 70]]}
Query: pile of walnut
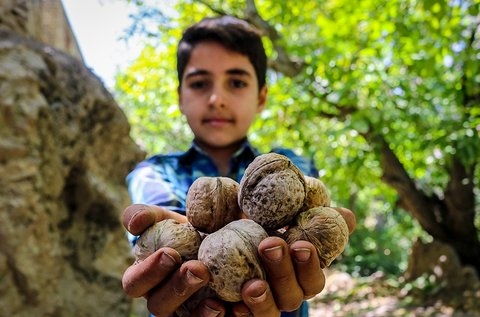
{"points": [[227, 221]]}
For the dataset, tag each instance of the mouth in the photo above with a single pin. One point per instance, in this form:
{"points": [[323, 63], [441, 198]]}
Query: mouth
{"points": [[217, 121]]}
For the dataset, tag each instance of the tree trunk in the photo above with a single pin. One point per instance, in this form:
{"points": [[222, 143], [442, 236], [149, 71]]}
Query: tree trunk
{"points": [[449, 219]]}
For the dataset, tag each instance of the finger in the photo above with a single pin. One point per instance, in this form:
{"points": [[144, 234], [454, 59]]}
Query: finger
{"points": [[309, 274], [257, 301], [275, 256], [191, 276], [209, 308], [141, 277], [349, 217], [138, 217]]}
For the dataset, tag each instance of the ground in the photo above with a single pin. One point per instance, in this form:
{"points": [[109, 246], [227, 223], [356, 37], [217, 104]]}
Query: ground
{"points": [[381, 296]]}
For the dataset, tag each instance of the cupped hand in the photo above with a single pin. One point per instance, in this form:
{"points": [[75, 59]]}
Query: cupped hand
{"points": [[294, 273], [161, 278]]}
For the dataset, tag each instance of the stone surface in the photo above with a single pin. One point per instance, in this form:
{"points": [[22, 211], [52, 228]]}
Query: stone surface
{"points": [[439, 261], [64, 153], [42, 20]]}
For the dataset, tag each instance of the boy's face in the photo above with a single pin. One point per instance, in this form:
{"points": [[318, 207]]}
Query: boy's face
{"points": [[219, 95]]}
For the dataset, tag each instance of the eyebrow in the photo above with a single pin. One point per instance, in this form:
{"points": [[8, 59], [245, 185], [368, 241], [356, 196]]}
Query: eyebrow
{"points": [[239, 71], [233, 71]]}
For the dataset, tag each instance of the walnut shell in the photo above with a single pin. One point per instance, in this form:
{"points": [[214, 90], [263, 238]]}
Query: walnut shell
{"points": [[272, 191], [317, 194], [231, 256], [212, 202], [168, 233], [325, 228]]}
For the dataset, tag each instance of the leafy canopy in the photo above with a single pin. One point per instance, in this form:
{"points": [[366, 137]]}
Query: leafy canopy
{"points": [[405, 70]]}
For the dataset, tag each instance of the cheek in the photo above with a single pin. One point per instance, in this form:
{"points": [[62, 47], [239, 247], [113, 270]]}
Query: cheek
{"points": [[189, 106], [192, 115], [247, 118]]}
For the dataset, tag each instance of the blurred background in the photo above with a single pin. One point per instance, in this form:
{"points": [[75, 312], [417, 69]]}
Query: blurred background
{"points": [[384, 96]]}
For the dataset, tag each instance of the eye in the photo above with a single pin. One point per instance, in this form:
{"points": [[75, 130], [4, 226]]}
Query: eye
{"points": [[238, 83], [198, 84]]}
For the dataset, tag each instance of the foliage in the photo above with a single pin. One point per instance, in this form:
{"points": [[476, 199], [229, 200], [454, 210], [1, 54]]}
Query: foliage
{"points": [[404, 70], [147, 93]]}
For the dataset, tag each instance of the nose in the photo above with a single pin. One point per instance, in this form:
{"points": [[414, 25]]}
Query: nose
{"points": [[216, 98]]}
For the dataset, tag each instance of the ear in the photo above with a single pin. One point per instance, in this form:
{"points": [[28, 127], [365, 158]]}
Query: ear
{"points": [[179, 94], [262, 98]]}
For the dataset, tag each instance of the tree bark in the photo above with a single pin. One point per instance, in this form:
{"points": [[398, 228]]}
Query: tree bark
{"points": [[449, 219]]}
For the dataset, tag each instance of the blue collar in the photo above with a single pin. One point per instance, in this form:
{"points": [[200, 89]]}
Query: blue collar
{"points": [[245, 150]]}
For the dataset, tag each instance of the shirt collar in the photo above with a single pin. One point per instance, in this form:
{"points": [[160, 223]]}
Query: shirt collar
{"points": [[246, 149]]}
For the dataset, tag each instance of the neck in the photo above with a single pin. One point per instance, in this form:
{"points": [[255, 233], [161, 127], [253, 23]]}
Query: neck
{"points": [[221, 155]]}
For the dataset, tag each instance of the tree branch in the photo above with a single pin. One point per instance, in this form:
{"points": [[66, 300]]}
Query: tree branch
{"points": [[426, 209], [282, 63], [212, 8], [470, 100]]}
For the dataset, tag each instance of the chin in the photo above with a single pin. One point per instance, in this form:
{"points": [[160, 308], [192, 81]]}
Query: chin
{"points": [[221, 144]]}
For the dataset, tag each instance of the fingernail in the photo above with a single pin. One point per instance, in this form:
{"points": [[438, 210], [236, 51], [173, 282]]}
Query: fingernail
{"points": [[274, 254], [260, 298], [302, 254], [129, 224], [211, 312], [192, 279], [167, 260], [132, 220]]}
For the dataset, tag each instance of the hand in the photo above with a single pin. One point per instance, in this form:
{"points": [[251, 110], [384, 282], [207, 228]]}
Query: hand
{"points": [[294, 273], [257, 301], [161, 278]]}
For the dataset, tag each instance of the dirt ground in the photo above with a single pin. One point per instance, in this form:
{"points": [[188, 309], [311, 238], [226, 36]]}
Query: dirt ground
{"points": [[378, 296]]}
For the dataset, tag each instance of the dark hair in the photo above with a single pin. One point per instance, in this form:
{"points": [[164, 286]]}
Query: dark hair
{"points": [[232, 33]]}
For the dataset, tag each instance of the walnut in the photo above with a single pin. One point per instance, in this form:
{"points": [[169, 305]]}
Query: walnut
{"points": [[211, 203], [325, 228], [231, 256], [168, 233], [272, 191], [317, 194]]}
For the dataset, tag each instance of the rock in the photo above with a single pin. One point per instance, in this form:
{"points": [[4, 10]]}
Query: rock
{"points": [[440, 260], [65, 150]]}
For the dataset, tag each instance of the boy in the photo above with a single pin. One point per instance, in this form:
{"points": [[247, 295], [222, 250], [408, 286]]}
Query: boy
{"points": [[221, 65]]}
